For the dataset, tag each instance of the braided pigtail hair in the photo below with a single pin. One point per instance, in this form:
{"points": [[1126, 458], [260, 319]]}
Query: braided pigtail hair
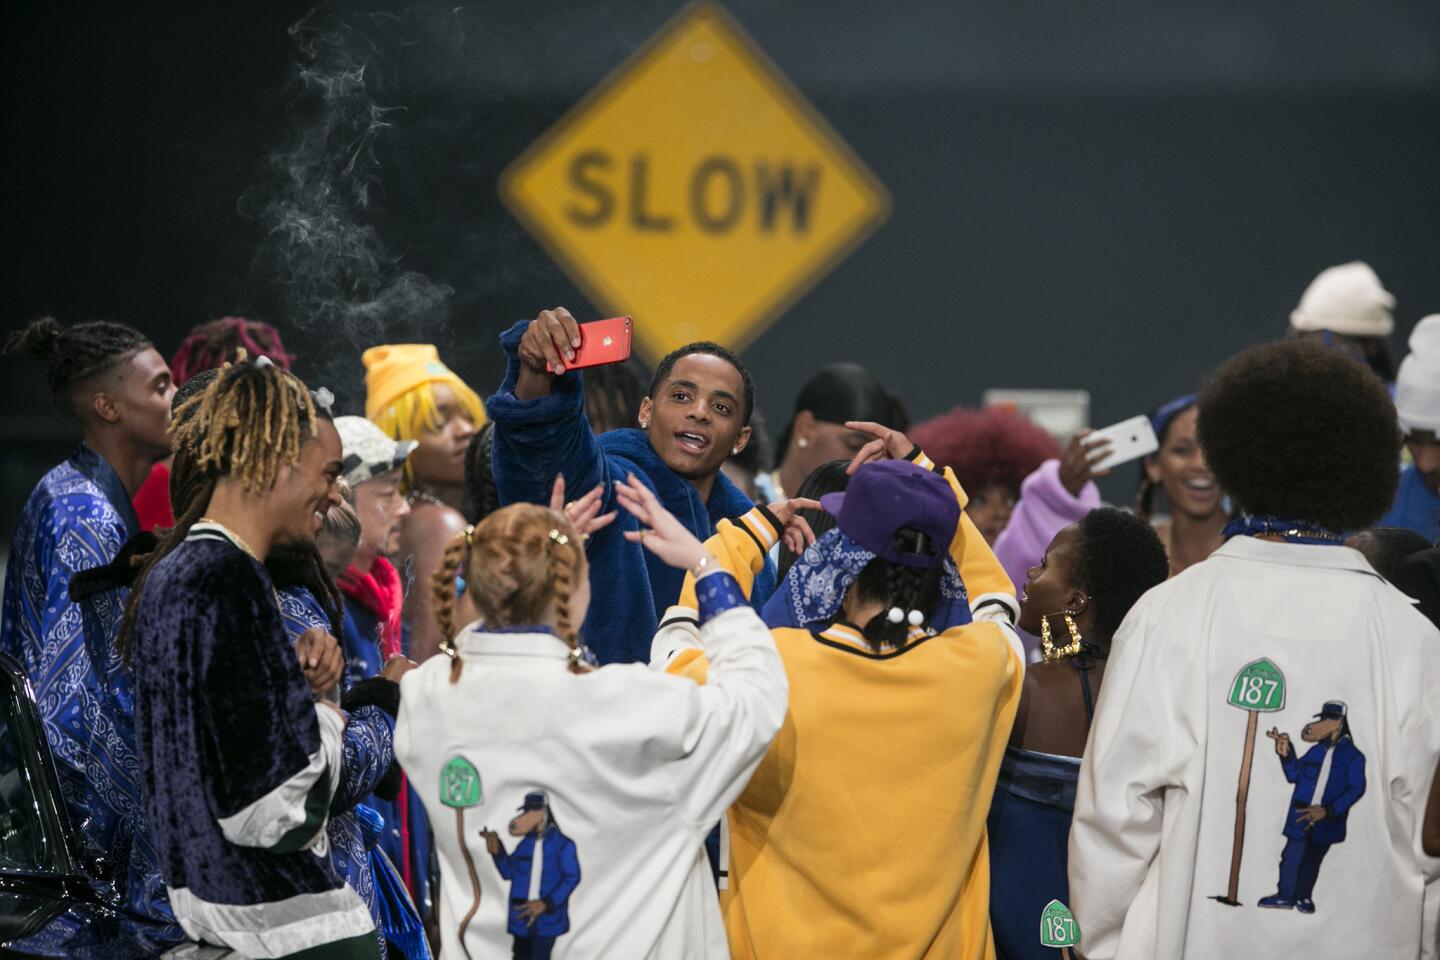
{"points": [[898, 586], [566, 560], [454, 563], [520, 563], [245, 423]]}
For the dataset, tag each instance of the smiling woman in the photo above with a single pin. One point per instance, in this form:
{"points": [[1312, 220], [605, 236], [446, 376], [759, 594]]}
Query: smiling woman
{"points": [[1178, 471]]}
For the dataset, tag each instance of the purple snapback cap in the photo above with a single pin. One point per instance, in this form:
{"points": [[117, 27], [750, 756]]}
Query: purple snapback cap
{"points": [[883, 497]]}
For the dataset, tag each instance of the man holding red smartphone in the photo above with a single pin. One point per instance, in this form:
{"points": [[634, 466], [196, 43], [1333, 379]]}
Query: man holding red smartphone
{"points": [[696, 415]]}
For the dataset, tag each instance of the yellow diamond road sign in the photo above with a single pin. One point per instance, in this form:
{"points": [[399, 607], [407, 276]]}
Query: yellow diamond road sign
{"points": [[696, 189]]}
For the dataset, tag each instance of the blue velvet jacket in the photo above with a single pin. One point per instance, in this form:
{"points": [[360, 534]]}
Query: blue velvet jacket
{"points": [[78, 517], [229, 740], [537, 439]]}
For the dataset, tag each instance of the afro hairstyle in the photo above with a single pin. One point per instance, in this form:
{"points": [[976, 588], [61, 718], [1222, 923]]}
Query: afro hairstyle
{"points": [[994, 446], [1120, 557], [1295, 430]]}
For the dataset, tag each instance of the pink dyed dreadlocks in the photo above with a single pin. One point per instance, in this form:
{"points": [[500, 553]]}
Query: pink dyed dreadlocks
{"points": [[214, 344]]}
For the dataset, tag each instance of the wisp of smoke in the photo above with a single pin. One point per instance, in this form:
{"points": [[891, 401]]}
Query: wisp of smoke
{"points": [[322, 252]]}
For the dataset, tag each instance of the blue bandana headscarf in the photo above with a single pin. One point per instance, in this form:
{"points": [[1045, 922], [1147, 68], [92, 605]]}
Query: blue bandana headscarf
{"points": [[1161, 418], [815, 587]]}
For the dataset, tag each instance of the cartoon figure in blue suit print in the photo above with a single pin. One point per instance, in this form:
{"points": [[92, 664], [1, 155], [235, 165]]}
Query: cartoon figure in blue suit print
{"points": [[1329, 780], [543, 872]]}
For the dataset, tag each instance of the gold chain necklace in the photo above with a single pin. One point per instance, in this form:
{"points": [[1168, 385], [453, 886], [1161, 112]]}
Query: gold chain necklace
{"points": [[234, 537], [239, 541]]}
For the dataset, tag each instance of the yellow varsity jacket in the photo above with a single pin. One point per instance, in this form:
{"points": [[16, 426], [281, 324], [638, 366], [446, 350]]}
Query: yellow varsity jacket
{"points": [[862, 832]]}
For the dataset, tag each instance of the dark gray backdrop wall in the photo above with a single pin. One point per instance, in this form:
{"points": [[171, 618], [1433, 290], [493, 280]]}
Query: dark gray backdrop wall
{"points": [[1112, 200]]}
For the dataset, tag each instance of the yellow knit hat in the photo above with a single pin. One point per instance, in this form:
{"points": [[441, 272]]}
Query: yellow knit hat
{"points": [[394, 369]]}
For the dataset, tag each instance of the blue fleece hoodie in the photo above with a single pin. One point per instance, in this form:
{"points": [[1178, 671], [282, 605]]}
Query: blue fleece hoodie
{"points": [[630, 587]]}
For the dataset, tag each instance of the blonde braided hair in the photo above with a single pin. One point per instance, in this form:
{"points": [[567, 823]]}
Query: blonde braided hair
{"points": [[251, 418], [516, 563]]}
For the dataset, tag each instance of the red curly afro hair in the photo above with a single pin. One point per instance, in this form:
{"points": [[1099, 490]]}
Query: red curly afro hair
{"points": [[994, 446]]}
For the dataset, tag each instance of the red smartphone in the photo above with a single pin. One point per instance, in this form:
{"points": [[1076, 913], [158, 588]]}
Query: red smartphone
{"points": [[601, 342]]}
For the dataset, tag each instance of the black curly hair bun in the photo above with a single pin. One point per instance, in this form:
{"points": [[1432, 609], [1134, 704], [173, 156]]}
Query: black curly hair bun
{"points": [[1120, 558], [1300, 431], [72, 355], [40, 339]]}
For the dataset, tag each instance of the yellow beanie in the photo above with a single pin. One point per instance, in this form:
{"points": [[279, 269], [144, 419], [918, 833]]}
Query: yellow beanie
{"points": [[394, 369]]}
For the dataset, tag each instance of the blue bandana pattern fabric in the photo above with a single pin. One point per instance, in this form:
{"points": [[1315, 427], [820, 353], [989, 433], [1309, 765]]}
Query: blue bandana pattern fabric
{"points": [[815, 587], [78, 517]]}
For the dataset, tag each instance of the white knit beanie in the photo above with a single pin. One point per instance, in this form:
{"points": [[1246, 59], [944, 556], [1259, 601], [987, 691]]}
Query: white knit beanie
{"points": [[1347, 299], [1417, 388]]}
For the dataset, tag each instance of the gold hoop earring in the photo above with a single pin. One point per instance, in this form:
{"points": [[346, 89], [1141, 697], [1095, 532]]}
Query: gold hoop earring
{"points": [[1047, 645]]}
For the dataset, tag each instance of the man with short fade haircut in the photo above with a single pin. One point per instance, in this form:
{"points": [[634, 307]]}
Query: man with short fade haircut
{"points": [[110, 379], [241, 763], [695, 416], [1195, 836]]}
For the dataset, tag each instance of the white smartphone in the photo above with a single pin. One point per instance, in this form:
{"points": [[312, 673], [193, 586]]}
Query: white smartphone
{"points": [[1129, 440]]}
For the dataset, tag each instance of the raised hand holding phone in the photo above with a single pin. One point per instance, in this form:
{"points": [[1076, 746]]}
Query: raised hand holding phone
{"points": [[1077, 463], [601, 342], [1128, 440]]}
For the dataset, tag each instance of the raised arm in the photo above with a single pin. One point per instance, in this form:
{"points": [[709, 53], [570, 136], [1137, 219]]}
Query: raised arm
{"points": [[740, 548], [992, 594], [1059, 493], [717, 733], [539, 416]]}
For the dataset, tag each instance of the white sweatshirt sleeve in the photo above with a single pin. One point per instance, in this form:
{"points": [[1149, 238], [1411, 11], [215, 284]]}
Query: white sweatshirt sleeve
{"points": [[730, 720], [1119, 802]]}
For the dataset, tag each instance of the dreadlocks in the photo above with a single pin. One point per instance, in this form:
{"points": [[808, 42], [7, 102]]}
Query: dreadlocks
{"points": [[244, 424], [214, 344], [75, 354], [253, 418]]}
